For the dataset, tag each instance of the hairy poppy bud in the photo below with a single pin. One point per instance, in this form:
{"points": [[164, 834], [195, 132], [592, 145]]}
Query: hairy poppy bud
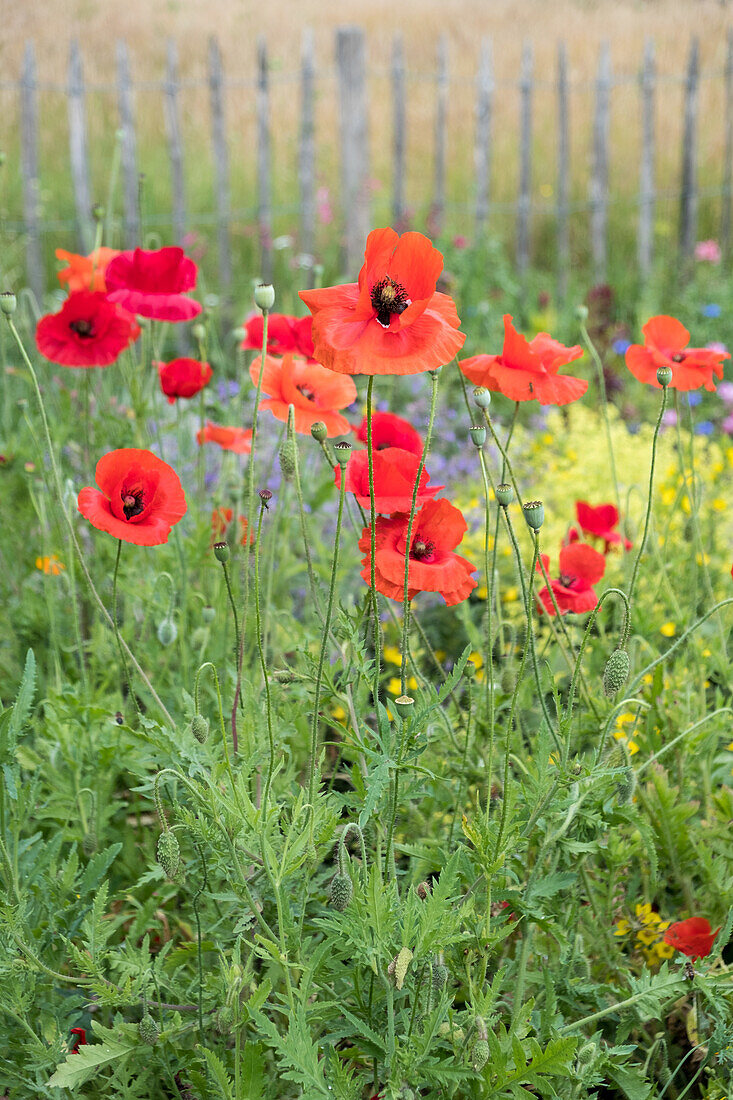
{"points": [[480, 1054], [97, 211], [319, 431], [200, 728], [198, 331], [342, 890], [469, 670], [404, 705], [534, 514], [478, 434], [581, 313], [626, 786], [208, 614], [264, 296], [221, 552], [664, 376], [440, 978], [504, 495], [616, 672], [89, 843], [482, 397], [148, 1030], [288, 458], [587, 1053], [8, 303], [167, 632], [343, 452], [423, 889], [169, 853]]}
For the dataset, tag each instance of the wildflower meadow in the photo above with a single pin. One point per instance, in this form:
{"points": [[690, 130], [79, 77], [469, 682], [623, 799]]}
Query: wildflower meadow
{"points": [[366, 684]]}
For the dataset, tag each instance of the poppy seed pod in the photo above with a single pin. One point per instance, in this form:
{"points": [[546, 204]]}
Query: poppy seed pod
{"points": [[581, 313], [664, 376], [480, 1054], [167, 632], [404, 705], [319, 431], [342, 890], [616, 672], [482, 397], [478, 434], [265, 496], [148, 1030], [198, 331], [169, 853], [221, 552], [264, 297], [208, 614], [8, 303], [534, 514], [504, 495], [343, 452], [200, 728]]}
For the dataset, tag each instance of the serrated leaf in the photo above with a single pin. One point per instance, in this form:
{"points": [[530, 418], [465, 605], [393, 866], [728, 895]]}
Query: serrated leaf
{"points": [[403, 960], [219, 1073], [97, 868], [375, 782], [252, 1071], [84, 1063], [23, 700]]}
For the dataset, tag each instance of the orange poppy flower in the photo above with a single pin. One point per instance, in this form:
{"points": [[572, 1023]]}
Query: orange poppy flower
{"points": [[221, 519], [527, 371], [392, 321], [665, 345], [315, 393], [85, 272], [50, 565], [238, 440]]}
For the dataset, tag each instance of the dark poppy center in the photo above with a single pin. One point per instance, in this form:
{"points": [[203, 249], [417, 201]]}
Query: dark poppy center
{"points": [[82, 327], [567, 581], [307, 392], [422, 549], [388, 298], [132, 503], [679, 357]]}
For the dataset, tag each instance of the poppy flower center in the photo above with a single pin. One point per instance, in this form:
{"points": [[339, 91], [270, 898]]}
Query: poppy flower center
{"points": [[388, 298], [567, 581], [307, 392], [132, 503], [82, 327], [679, 357], [422, 549]]}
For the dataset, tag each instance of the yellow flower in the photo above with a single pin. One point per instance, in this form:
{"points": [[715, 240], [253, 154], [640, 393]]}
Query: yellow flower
{"points": [[669, 630], [477, 659], [625, 718], [440, 654], [648, 679], [720, 505], [392, 655], [664, 950], [482, 592], [642, 911], [50, 565], [338, 713], [668, 496], [622, 928], [646, 936], [509, 595]]}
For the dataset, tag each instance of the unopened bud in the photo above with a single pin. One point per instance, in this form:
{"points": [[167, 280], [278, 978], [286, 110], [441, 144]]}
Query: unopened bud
{"points": [[440, 978], [482, 397], [478, 434], [8, 303], [423, 889], [626, 786], [89, 843], [208, 614], [664, 376], [239, 333], [198, 331], [264, 297], [200, 728], [167, 632], [534, 514], [504, 495], [148, 1030], [616, 672], [469, 670], [480, 1054], [343, 452], [265, 496], [169, 853], [587, 1053], [97, 211], [581, 313], [288, 458], [342, 890], [319, 431], [221, 551]]}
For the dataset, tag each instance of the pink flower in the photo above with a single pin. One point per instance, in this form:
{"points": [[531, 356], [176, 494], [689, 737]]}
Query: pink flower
{"points": [[325, 210], [460, 241], [708, 252]]}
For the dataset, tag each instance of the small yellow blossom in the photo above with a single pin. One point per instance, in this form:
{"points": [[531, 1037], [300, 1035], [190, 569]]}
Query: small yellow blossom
{"points": [[702, 559], [668, 496], [50, 565], [482, 592], [720, 505], [622, 928], [510, 595], [668, 630], [394, 687], [392, 655], [338, 713]]}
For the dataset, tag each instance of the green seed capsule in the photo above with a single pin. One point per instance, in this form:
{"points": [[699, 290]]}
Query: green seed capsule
{"points": [[169, 853], [342, 890], [616, 672], [148, 1030], [480, 1054]]}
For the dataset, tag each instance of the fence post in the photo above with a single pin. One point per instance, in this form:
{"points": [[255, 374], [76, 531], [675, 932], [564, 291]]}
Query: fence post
{"points": [[221, 161], [399, 210], [264, 199], [354, 132], [563, 173], [175, 144], [599, 172], [128, 154], [307, 147], [482, 149], [78, 149], [29, 161], [725, 219], [647, 195], [688, 187], [525, 159], [437, 212]]}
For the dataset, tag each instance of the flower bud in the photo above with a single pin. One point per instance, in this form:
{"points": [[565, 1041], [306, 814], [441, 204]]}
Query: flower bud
{"points": [[664, 376], [198, 331], [148, 1030], [469, 670], [239, 333], [169, 853], [480, 1054], [8, 303], [208, 614], [343, 452], [478, 434], [221, 551], [482, 397], [288, 458], [581, 313], [97, 211], [587, 1054], [284, 676], [625, 786], [423, 889], [440, 977], [616, 672], [200, 728], [504, 495], [319, 431], [89, 843], [264, 297], [534, 514], [404, 705], [167, 632], [342, 890]]}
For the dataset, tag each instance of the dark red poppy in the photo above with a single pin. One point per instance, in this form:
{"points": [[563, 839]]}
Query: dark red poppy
{"points": [[141, 498], [665, 345], [693, 937], [284, 334], [437, 529], [183, 377], [395, 471], [527, 371], [314, 392], [389, 430], [154, 284], [79, 1039], [600, 521], [238, 440], [88, 331], [580, 568], [392, 321]]}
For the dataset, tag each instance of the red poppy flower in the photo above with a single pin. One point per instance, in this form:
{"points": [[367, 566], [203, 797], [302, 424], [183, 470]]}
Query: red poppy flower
{"points": [[599, 521], [141, 498], [316, 393], [238, 440], [693, 937], [389, 430], [437, 529], [221, 518], [284, 334], [88, 331], [394, 480], [665, 345], [527, 371], [580, 568], [183, 377], [85, 272], [392, 321], [154, 284], [79, 1039]]}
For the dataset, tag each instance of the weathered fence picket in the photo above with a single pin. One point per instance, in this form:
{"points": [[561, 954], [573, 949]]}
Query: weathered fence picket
{"points": [[688, 197], [437, 213], [29, 159], [354, 131], [599, 171], [725, 213], [482, 147], [78, 158], [172, 111], [524, 201], [307, 145], [645, 239], [221, 161], [264, 167], [128, 153], [563, 174], [399, 128]]}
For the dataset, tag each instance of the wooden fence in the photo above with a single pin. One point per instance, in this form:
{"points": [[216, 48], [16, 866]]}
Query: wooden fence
{"points": [[353, 86]]}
